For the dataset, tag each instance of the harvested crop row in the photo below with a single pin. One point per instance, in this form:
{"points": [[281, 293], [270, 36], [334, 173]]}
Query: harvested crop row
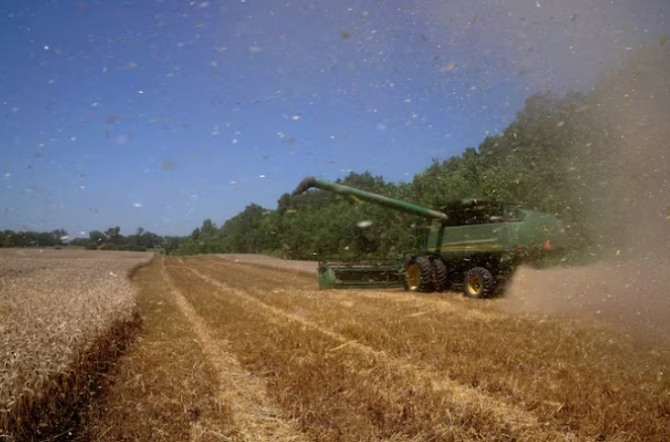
{"points": [[163, 388], [335, 390], [471, 399], [65, 315], [255, 415], [578, 379]]}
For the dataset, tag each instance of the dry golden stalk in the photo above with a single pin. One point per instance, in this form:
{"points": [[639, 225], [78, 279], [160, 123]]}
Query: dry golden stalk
{"points": [[63, 314]]}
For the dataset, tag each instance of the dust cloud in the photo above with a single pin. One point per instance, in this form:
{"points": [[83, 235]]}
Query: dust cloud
{"points": [[552, 46], [618, 55], [629, 294], [628, 205], [630, 199]]}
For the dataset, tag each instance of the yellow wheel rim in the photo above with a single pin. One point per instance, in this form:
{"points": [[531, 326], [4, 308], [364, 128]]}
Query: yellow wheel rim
{"points": [[413, 276], [474, 285]]}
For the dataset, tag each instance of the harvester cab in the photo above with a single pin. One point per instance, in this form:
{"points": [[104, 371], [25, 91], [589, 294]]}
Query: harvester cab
{"points": [[474, 245]]}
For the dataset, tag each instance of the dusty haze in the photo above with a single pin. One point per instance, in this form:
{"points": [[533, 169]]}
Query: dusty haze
{"points": [[629, 205], [602, 50]]}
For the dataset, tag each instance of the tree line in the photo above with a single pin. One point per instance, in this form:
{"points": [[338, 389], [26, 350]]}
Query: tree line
{"points": [[597, 159], [110, 239], [10, 238]]}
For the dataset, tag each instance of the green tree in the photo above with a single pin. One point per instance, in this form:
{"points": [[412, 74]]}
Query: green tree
{"points": [[97, 238], [113, 235], [250, 231]]}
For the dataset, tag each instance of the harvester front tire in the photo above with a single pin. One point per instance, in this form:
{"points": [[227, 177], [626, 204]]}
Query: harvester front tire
{"points": [[479, 283], [439, 275], [419, 275]]}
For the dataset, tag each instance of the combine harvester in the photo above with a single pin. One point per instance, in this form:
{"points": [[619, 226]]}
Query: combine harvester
{"points": [[472, 244]]}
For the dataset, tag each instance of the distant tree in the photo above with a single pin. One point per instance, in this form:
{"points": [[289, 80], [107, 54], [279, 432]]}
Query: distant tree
{"points": [[208, 227], [96, 238], [7, 238], [10, 238], [79, 242], [150, 240], [250, 231], [58, 237], [113, 235], [175, 245]]}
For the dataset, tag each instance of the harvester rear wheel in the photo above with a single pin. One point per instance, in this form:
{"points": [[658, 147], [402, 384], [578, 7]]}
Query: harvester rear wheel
{"points": [[478, 283], [439, 275], [419, 275]]}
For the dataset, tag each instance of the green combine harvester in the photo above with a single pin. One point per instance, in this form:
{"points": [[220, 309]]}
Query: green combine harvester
{"points": [[472, 244]]}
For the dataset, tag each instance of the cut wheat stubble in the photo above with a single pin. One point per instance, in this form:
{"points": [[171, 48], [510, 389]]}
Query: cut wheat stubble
{"points": [[257, 418], [464, 400]]}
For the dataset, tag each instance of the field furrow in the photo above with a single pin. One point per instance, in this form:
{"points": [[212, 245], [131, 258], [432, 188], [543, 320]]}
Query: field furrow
{"points": [[577, 378], [255, 416], [476, 414], [229, 351], [164, 388]]}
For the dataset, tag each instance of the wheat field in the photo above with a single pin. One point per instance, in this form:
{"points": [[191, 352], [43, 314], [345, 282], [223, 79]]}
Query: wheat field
{"points": [[232, 351], [63, 315]]}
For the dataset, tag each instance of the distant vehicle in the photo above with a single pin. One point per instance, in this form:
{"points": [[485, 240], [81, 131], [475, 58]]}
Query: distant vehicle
{"points": [[472, 244]]}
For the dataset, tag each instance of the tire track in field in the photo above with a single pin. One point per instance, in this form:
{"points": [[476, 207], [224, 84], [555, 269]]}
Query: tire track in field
{"points": [[254, 413], [471, 399]]}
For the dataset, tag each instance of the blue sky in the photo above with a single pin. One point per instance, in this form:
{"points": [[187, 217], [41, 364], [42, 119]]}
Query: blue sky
{"points": [[161, 114]]}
